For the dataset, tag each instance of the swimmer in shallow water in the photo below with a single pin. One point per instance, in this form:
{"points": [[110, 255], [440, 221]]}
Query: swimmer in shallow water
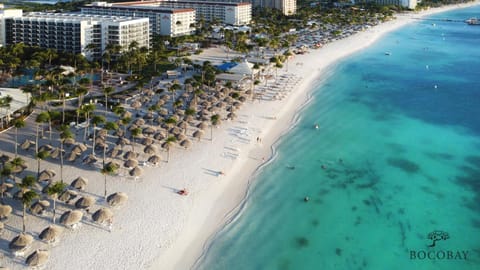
{"points": [[291, 167]]}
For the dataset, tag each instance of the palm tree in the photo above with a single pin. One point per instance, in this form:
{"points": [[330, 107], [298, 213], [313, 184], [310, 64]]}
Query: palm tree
{"points": [[6, 171], [108, 169], [169, 141], [42, 155], [53, 191], [51, 54], [19, 123], [96, 120], [87, 109], [27, 195], [107, 91], [52, 115], [66, 133], [215, 120], [18, 165], [81, 92], [42, 117]]}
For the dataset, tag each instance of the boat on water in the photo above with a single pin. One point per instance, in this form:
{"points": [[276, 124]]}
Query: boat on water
{"points": [[388, 53], [473, 21]]}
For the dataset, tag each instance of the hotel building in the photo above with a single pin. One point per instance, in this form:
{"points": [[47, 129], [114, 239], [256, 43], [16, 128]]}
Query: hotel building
{"points": [[4, 14], [75, 33], [163, 21], [231, 13], [288, 7]]}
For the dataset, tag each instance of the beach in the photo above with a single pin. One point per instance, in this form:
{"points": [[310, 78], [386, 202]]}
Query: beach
{"points": [[157, 228]]}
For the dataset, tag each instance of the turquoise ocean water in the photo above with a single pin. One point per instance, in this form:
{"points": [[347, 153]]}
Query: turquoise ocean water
{"points": [[399, 142]]}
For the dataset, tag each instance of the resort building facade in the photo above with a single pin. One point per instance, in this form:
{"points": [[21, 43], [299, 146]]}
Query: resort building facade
{"points": [[4, 14], [232, 13], [163, 21], [76, 33], [288, 7], [410, 4]]}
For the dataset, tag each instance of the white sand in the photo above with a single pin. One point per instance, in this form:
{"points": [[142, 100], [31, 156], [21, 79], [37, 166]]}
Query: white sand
{"points": [[159, 229]]}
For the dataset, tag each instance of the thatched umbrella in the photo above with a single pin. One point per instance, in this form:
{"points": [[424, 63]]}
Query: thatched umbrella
{"points": [[37, 258], [90, 159], [139, 122], [119, 132], [69, 141], [46, 147], [160, 102], [189, 118], [46, 175], [150, 149], [176, 130], [5, 211], [77, 149], [132, 127], [136, 104], [160, 135], [85, 202], [130, 163], [99, 139], [115, 152], [50, 234], [231, 116], [101, 145], [55, 153], [159, 120], [71, 218], [147, 141], [117, 199], [79, 183], [202, 125], [154, 159], [186, 143], [20, 242], [180, 137], [27, 144], [102, 215], [198, 134], [163, 112], [123, 141], [72, 156], [67, 196], [135, 172], [127, 114], [148, 131], [82, 146], [130, 155], [39, 207]]}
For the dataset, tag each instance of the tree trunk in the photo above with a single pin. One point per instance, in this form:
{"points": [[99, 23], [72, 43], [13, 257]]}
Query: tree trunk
{"points": [[24, 216], [16, 141], [93, 143], [54, 208], [61, 162], [105, 187]]}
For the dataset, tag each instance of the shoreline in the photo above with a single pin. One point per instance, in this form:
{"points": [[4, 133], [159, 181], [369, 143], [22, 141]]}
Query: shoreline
{"points": [[183, 259]]}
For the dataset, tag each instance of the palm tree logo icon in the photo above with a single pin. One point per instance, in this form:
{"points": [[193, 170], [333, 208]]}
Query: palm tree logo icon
{"points": [[436, 236]]}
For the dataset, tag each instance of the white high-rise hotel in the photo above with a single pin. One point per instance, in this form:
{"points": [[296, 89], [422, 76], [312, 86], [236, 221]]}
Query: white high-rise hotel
{"points": [[76, 33]]}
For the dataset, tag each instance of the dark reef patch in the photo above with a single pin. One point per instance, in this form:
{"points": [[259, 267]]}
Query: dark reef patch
{"points": [[404, 164], [302, 242], [439, 156], [338, 251], [396, 147], [471, 179], [473, 160]]}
